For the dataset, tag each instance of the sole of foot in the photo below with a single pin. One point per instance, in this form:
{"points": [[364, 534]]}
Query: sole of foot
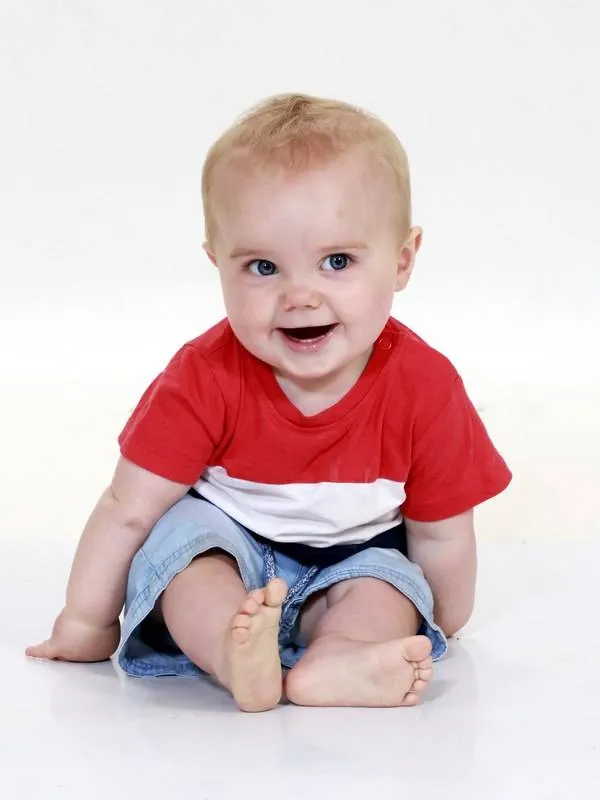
{"points": [[341, 672], [252, 668]]}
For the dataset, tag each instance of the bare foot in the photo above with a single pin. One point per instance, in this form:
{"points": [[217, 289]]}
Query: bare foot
{"points": [[337, 671], [251, 668]]}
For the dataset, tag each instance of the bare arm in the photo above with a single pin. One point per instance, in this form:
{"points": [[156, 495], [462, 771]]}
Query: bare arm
{"points": [[446, 552], [116, 529], [88, 629]]}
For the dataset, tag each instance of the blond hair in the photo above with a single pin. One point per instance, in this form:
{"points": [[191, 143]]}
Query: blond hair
{"points": [[296, 131]]}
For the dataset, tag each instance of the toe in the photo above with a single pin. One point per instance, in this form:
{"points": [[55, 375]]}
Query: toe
{"points": [[241, 621], [418, 685], [240, 635], [411, 699], [275, 592], [424, 674], [417, 648], [250, 606]]}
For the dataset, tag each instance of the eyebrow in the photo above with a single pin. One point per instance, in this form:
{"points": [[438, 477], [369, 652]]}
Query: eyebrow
{"points": [[240, 252]]}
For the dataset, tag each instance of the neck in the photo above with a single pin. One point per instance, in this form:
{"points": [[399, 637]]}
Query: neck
{"points": [[313, 395]]}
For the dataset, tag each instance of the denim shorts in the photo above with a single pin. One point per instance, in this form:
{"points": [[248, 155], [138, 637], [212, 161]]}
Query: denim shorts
{"points": [[192, 527]]}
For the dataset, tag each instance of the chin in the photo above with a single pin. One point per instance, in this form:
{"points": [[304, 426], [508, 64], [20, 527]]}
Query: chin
{"points": [[308, 372], [305, 374]]}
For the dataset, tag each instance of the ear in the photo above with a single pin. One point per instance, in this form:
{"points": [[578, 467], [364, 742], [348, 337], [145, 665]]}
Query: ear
{"points": [[209, 253], [406, 257]]}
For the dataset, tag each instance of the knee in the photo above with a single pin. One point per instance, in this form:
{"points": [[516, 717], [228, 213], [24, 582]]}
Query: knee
{"points": [[452, 623]]}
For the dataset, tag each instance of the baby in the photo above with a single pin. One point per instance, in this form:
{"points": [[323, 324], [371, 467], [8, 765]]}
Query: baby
{"points": [[292, 510]]}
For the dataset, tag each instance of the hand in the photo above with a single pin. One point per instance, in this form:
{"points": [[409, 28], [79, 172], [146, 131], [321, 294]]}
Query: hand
{"points": [[74, 639]]}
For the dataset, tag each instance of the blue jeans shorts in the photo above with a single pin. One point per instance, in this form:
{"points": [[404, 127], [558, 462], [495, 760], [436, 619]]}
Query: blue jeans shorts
{"points": [[192, 527]]}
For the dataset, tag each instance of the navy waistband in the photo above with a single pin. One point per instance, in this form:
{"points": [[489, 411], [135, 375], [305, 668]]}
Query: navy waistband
{"points": [[393, 539]]}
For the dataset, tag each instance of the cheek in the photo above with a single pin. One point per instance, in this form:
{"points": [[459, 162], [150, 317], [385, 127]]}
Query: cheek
{"points": [[370, 296], [235, 300], [248, 308]]}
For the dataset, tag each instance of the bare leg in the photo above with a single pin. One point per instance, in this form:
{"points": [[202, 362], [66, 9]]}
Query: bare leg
{"points": [[227, 632], [363, 649]]}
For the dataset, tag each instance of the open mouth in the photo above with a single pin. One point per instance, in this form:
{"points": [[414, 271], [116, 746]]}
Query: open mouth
{"points": [[308, 334]]}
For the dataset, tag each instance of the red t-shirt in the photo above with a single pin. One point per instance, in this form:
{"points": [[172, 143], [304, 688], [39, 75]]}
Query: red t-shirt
{"points": [[405, 440]]}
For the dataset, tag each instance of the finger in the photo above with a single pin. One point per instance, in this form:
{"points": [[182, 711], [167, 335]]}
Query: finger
{"points": [[44, 650]]}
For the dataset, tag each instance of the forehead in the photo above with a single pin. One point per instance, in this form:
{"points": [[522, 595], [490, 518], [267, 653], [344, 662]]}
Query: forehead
{"points": [[350, 194]]}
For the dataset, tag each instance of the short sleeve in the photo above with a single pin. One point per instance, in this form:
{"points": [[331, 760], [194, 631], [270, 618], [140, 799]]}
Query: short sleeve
{"points": [[455, 465], [179, 421]]}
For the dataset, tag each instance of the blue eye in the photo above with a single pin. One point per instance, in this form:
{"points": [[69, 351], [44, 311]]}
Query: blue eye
{"points": [[262, 268], [338, 261]]}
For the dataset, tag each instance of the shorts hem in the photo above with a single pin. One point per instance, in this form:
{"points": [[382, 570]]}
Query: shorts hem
{"points": [[145, 600], [404, 584]]}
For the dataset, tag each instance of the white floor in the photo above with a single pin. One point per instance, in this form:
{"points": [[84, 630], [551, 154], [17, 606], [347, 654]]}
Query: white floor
{"points": [[513, 712]]}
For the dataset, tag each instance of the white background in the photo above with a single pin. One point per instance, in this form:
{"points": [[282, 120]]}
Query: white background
{"points": [[106, 112]]}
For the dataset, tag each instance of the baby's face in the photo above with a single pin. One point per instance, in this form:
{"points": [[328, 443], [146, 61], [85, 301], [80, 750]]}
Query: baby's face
{"points": [[309, 264]]}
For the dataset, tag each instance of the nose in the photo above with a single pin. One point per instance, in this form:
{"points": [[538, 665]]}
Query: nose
{"points": [[299, 295]]}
